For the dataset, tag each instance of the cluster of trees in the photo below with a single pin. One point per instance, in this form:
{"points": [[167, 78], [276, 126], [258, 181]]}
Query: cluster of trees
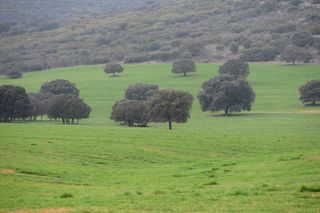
{"points": [[299, 48], [144, 103], [229, 91], [58, 99]]}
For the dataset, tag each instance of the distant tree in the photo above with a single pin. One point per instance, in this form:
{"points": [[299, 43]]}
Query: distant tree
{"points": [[183, 66], [235, 67], [256, 54], [226, 93], [170, 106], [131, 113], [234, 47], [186, 55], [14, 103], [292, 54], [113, 69], [302, 39], [247, 43], [59, 86], [140, 92], [68, 108], [14, 74], [310, 92]]}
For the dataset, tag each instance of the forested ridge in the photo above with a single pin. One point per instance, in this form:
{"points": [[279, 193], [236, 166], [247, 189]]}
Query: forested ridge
{"points": [[38, 35]]}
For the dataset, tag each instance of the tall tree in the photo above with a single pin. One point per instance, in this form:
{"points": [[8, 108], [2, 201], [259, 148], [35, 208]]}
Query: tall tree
{"points": [[226, 93], [59, 86], [68, 108], [183, 66], [170, 106], [131, 113], [140, 92], [310, 92], [113, 68], [235, 67], [14, 103]]}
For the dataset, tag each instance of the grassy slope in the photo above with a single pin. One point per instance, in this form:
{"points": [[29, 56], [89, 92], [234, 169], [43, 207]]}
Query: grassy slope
{"points": [[251, 162]]}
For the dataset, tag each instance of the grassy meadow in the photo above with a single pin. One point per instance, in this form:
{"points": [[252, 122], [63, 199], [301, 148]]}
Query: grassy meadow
{"points": [[266, 160]]}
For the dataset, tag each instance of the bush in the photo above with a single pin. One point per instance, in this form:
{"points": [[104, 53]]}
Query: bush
{"points": [[14, 74], [259, 54]]}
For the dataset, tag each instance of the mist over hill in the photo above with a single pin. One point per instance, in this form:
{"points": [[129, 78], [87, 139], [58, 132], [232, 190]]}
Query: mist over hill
{"points": [[41, 34]]}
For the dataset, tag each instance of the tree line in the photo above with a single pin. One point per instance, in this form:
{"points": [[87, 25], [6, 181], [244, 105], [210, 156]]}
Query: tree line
{"points": [[142, 103], [58, 99]]}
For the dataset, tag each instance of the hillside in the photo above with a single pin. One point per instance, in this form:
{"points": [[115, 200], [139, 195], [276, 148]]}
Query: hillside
{"points": [[39, 35]]}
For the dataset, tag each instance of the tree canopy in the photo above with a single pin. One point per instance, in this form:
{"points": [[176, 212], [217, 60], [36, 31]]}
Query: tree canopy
{"points": [[68, 108], [310, 92], [131, 113], [183, 66], [59, 86], [113, 68], [140, 92], [170, 106], [226, 93], [292, 54], [14, 103], [235, 67]]}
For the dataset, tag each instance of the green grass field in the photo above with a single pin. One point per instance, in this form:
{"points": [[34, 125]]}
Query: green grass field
{"points": [[250, 162]]}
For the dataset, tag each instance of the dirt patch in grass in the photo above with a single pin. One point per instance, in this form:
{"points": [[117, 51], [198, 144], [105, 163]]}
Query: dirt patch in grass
{"points": [[7, 171]]}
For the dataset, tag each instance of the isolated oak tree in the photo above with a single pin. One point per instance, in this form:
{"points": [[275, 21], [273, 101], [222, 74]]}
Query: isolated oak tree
{"points": [[226, 93], [183, 66], [310, 92], [140, 92], [170, 106], [236, 68], [59, 86], [113, 68], [14, 103], [131, 113]]}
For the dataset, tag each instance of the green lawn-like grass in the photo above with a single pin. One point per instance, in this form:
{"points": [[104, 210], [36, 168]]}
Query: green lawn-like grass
{"points": [[267, 160]]}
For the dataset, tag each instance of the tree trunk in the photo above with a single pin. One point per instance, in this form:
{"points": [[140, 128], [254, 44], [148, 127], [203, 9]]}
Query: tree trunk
{"points": [[226, 111], [313, 102], [170, 124]]}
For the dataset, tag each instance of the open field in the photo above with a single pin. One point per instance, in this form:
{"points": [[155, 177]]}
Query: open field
{"points": [[250, 162]]}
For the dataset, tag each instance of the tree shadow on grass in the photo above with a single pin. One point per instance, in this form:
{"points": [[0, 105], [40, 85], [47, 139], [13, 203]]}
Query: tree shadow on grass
{"points": [[252, 114], [316, 105]]}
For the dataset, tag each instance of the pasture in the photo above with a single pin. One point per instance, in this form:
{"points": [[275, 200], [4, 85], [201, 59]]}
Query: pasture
{"points": [[266, 160]]}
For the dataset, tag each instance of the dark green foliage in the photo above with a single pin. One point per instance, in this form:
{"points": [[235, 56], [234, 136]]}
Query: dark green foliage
{"points": [[170, 106], [310, 189], [310, 92], [39, 103], [113, 68], [285, 28], [59, 86], [140, 92], [302, 39], [14, 74], [292, 54], [68, 108], [186, 55], [183, 66], [226, 93], [247, 43], [259, 54], [66, 195], [14, 103], [131, 113], [5, 27], [235, 67], [234, 47]]}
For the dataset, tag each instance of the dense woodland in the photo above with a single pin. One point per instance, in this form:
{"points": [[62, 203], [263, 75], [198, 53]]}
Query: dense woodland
{"points": [[36, 35]]}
